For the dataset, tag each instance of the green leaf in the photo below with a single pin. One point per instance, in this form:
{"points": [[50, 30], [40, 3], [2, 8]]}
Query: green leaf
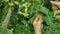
{"points": [[48, 20], [42, 9], [57, 32], [7, 31], [0, 32], [46, 32]]}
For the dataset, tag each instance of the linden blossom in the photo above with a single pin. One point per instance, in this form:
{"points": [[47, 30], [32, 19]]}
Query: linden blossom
{"points": [[6, 0], [16, 2], [25, 15], [11, 4]]}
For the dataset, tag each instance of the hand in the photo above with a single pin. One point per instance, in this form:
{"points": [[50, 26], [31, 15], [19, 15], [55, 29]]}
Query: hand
{"points": [[37, 24], [56, 4]]}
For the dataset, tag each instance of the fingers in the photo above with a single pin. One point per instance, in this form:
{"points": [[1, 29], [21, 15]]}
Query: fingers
{"points": [[40, 19], [55, 6], [53, 2], [37, 24], [37, 18]]}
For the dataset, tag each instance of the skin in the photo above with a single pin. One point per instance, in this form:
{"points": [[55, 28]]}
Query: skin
{"points": [[37, 24], [55, 4], [38, 20]]}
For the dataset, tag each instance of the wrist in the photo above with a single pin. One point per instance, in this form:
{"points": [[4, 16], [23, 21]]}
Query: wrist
{"points": [[37, 31]]}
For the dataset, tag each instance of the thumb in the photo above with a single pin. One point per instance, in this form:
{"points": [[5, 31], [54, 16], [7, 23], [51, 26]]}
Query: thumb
{"points": [[53, 2], [40, 19]]}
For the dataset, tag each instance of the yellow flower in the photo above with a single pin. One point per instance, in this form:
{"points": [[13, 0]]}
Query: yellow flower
{"points": [[6, 0], [20, 12], [25, 4], [57, 16], [11, 4], [26, 9], [23, 0], [29, 4], [24, 14], [58, 11], [16, 2]]}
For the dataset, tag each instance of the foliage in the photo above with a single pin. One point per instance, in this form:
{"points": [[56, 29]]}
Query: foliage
{"points": [[7, 31], [24, 13]]}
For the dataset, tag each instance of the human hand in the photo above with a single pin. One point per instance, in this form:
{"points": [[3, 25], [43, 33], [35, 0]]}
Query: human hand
{"points": [[37, 24], [56, 5]]}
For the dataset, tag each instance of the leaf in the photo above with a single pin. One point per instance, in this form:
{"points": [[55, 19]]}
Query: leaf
{"points": [[42, 9], [7, 31], [57, 32], [48, 20], [46, 32], [0, 30]]}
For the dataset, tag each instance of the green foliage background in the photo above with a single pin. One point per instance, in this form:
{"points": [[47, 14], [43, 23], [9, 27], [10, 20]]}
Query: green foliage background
{"points": [[23, 25]]}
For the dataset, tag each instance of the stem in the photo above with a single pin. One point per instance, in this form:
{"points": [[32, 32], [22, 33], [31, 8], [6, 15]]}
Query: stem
{"points": [[26, 9], [6, 20]]}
